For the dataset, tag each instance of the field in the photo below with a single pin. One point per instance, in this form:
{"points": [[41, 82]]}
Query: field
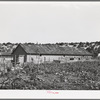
{"points": [[51, 76]]}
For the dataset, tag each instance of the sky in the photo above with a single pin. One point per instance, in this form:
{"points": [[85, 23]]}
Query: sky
{"points": [[49, 22]]}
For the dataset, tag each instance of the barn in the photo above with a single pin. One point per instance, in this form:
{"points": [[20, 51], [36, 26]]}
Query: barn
{"points": [[41, 53]]}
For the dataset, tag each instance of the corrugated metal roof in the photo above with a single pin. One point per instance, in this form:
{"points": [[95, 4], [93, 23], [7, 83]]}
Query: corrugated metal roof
{"points": [[53, 49]]}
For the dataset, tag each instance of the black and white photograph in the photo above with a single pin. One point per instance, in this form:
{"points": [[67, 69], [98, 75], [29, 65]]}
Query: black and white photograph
{"points": [[49, 45]]}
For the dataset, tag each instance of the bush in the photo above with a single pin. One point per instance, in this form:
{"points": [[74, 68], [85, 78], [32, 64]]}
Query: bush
{"points": [[73, 75]]}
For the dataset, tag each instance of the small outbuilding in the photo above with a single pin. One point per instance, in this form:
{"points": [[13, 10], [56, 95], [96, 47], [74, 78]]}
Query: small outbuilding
{"points": [[5, 56]]}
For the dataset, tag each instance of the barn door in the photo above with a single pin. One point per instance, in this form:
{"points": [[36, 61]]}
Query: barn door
{"points": [[21, 58]]}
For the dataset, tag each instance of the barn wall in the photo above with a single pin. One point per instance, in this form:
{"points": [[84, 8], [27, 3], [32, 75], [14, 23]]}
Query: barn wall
{"points": [[43, 58], [6, 58], [77, 58], [50, 58]]}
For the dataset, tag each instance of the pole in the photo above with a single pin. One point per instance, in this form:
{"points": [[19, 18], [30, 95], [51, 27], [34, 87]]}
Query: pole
{"points": [[15, 60]]}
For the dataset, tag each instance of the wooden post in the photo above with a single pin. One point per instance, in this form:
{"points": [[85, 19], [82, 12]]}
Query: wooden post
{"points": [[15, 60]]}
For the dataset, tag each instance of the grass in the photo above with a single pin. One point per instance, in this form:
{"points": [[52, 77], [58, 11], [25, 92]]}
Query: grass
{"points": [[53, 76]]}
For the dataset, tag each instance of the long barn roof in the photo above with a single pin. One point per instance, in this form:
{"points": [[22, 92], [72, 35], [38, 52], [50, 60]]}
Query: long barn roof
{"points": [[53, 49]]}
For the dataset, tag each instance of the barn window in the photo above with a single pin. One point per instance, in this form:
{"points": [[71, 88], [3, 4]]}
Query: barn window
{"points": [[32, 59], [79, 58], [44, 58], [71, 58]]}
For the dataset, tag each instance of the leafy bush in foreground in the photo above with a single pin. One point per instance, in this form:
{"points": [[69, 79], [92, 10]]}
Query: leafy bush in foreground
{"points": [[66, 76]]}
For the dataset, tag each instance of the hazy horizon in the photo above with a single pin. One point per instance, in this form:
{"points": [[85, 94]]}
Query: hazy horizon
{"points": [[48, 42], [49, 22]]}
